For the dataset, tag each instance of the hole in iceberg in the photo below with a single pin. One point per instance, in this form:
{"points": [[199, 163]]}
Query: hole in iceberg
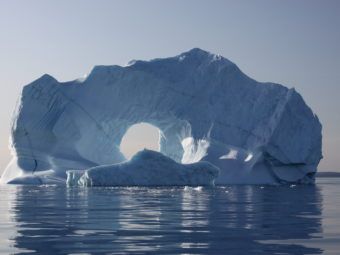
{"points": [[138, 137]]}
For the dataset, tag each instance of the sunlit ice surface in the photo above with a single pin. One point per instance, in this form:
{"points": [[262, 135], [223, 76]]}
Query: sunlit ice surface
{"points": [[292, 219]]}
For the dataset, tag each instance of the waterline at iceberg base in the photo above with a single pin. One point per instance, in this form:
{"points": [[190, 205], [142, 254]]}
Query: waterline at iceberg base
{"points": [[206, 109], [146, 168]]}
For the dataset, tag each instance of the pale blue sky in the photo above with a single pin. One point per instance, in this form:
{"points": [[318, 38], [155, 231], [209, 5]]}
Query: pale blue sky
{"points": [[295, 43]]}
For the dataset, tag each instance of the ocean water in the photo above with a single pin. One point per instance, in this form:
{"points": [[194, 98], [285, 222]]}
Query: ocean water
{"points": [[302, 219]]}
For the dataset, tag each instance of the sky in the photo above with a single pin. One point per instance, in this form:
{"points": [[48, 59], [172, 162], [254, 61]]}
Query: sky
{"points": [[294, 43]]}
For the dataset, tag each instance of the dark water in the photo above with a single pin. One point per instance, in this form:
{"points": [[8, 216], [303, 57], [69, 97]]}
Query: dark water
{"points": [[221, 220]]}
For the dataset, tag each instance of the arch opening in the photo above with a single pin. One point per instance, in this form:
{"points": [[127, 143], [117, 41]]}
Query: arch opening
{"points": [[138, 137]]}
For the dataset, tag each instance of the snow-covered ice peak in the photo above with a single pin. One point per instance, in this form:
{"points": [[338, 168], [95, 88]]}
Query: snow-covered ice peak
{"points": [[202, 55], [205, 107]]}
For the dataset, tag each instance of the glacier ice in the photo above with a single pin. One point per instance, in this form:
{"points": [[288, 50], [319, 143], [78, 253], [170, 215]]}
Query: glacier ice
{"points": [[204, 106], [146, 168]]}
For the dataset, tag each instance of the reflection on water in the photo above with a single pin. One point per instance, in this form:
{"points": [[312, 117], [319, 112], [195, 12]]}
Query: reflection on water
{"points": [[233, 220]]}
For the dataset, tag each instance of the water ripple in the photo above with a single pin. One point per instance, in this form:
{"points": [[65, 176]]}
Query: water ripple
{"points": [[176, 220]]}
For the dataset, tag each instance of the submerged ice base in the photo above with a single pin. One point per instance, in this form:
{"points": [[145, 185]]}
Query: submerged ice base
{"points": [[205, 107], [146, 168]]}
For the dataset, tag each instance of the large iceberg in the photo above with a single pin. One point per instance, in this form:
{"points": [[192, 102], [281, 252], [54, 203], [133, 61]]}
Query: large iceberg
{"points": [[146, 168], [204, 106]]}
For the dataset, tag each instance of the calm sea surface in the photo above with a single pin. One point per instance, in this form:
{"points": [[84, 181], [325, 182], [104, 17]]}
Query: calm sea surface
{"points": [[221, 220]]}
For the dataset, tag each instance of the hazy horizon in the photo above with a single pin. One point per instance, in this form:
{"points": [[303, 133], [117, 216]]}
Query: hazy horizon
{"points": [[296, 44]]}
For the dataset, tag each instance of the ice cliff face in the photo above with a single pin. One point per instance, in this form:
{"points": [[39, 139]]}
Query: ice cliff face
{"points": [[204, 106]]}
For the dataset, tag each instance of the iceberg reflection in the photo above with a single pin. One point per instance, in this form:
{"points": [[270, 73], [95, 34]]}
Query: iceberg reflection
{"points": [[233, 219]]}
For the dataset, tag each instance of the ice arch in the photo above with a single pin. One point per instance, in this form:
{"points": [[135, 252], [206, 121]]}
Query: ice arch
{"points": [[205, 107]]}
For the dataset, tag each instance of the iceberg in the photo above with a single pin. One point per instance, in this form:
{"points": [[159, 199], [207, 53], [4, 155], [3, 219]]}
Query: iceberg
{"points": [[146, 168], [205, 107]]}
